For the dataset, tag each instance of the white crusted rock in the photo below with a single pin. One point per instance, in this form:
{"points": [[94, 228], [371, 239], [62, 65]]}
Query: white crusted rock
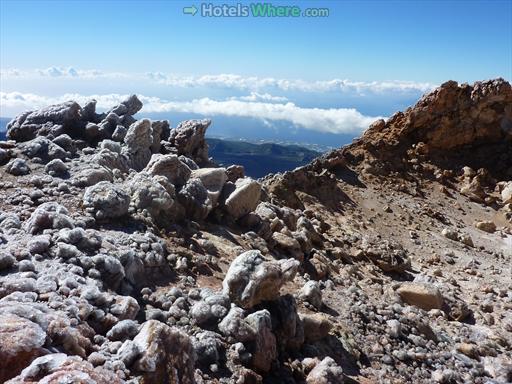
{"points": [[252, 279]]}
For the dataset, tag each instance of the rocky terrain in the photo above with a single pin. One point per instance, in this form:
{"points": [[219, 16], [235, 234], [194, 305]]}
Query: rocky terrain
{"points": [[127, 255]]}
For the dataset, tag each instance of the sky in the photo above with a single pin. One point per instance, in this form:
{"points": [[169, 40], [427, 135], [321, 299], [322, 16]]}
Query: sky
{"points": [[331, 75]]}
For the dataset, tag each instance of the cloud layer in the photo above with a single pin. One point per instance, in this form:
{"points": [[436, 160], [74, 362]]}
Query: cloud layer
{"points": [[228, 81], [259, 106]]}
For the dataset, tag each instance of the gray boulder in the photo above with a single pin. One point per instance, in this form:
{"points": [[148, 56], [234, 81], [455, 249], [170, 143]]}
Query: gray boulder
{"points": [[112, 160], [106, 200], [56, 167], [194, 198], [165, 354], [125, 329], [59, 367], [138, 140], [91, 176], [252, 279], [208, 347], [47, 121], [210, 310], [188, 139], [255, 330], [39, 244], [18, 167], [265, 348], [312, 294], [160, 131], [4, 156], [169, 166], [6, 261], [244, 198], [234, 326], [44, 149], [130, 106], [48, 216], [213, 179], [326, 372], [119, 133], [149, 195], [65, 142]]}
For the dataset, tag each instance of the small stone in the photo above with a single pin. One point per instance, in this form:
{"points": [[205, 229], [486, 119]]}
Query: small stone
{"points": [[312, 294], [6, 261], [486, 226]]}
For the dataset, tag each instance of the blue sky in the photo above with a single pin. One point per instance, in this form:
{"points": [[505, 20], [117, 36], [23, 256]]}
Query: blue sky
{"points": [[387, 53]]}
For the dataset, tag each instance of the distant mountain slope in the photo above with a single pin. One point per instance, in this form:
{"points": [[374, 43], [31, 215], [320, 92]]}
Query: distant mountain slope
{"points": [[260, 159], [3, 126]]}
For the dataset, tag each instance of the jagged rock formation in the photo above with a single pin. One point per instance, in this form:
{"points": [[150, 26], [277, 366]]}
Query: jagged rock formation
{"points": [[454, 126], [127, 255]]}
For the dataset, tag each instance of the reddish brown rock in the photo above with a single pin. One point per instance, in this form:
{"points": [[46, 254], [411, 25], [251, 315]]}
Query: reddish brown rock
{"points": [[21, 342]]}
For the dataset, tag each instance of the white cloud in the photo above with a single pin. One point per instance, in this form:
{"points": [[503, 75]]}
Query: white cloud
{"points": [[255, 96], [259, 83], [62, 72], [157, 76], [232, 81], [333, 120], [72, 72], [52, 71]]}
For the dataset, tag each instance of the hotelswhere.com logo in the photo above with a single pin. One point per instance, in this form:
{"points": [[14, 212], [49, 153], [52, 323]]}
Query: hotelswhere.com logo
{"points": [[253, 10]]}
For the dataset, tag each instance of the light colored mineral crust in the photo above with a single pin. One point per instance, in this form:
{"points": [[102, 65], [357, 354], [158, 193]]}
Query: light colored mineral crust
{"points": [[106, 200], [59, 368], [252, 279], [166, 354], [326, 372]]}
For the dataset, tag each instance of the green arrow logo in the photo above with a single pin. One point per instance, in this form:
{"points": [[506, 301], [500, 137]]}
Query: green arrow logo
{"points": [[190, 10]]}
